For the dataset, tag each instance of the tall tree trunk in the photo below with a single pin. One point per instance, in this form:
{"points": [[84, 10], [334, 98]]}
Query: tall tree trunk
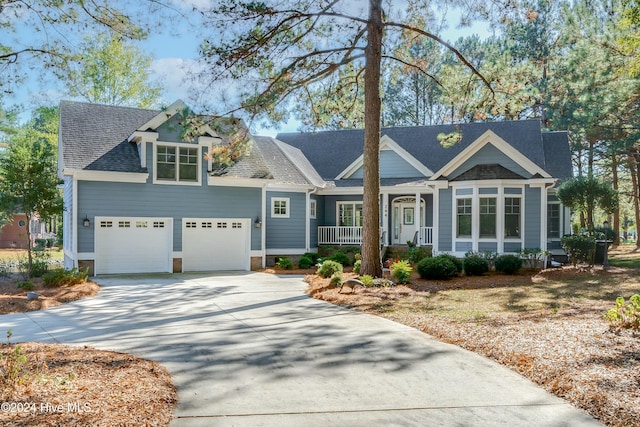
{"points": [[634, 185], [371, 260], [616, 213], [29, 254]]}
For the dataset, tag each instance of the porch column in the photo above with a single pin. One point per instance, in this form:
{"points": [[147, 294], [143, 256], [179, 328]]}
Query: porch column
{"points": [[436, 220], [417, 219], [385, 218]]}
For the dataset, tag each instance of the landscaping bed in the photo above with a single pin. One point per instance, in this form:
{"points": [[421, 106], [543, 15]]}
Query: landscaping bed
{"points": [[547, 325]]}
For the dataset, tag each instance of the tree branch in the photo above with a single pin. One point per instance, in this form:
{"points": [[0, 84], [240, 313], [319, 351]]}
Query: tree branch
{"points": [[432, 77]]}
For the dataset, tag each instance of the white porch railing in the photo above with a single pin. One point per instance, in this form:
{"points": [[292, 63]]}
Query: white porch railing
{"points": [[426, 236], [340, 235]]}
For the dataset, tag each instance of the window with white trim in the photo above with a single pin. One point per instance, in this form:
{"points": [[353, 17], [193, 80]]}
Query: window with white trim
{"points": [[349, 214], [553, 220], [280, 207], [313, 207], [488, 209], [177, 163], [464, 217], [512, 217]]}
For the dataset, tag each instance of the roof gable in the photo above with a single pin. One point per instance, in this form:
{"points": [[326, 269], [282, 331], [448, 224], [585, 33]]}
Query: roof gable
{"points": [[395, 162], [489, 138]]}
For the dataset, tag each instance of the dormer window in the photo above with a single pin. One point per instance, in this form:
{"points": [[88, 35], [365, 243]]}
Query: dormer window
{"points": [[177, 164]]}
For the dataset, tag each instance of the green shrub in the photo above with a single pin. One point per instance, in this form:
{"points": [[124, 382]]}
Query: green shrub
{"points": [[13, 368], [440, 267], [314, 257], [457, 262], [328, 267], [284, 263], [401, 271], [336, 278], [508, 264], [61, 277], [25, 285], [305, 262], [383, 283], [356, 266], [39, 267], [533, 257], [475, 265], [580, 248], [341, 258], [626, 314], [416, 253], [367, 280]]}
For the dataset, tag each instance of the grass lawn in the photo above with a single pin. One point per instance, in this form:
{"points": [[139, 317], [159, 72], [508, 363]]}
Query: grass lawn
{"points": [[8, 255], [548, 326]]}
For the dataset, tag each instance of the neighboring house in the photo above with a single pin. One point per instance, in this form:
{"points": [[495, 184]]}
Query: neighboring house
{"points": [[14, 234], [139, 199]]}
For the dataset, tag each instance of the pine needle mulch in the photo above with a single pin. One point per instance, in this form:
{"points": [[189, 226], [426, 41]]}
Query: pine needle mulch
{"points": [[61, 385], [547, 325]]}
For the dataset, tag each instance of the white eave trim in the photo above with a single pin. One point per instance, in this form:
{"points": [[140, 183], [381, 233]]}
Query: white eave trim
{"points": [[106, 176], [386, 143], [164, 115], [230, 181], [490, 137]]}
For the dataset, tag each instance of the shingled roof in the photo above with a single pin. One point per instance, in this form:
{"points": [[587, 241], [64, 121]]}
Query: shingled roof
{"points": [[331, 152], [94, 136]]}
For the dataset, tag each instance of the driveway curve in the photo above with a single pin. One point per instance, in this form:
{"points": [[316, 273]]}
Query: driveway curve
{"points": [[249, 349]]}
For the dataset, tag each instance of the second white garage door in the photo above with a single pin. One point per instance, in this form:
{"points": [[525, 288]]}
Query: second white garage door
{"points": [[210, 244]]}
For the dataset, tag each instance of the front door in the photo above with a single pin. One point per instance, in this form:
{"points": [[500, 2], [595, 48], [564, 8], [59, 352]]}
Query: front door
{"points": [[405, 219]]}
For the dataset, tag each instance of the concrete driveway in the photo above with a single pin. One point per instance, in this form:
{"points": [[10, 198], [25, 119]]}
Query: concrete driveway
{"points": [[252, 349]]}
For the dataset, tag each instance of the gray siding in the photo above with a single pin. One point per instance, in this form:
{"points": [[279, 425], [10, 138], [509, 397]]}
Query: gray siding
{"points": [[287, 233], [512, 190], [489, 155], [445, 220], [175, 201], [392, 166], [532, 197], [464, 246], [490, 190], [330, 207], [512, 247], [487, 246]]}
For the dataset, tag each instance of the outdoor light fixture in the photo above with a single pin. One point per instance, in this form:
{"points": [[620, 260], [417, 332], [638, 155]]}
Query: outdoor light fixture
{"points": [[258, 222], [86, 222]]}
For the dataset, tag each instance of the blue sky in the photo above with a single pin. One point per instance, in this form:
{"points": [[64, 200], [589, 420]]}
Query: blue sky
{"points": [[174, 52]]}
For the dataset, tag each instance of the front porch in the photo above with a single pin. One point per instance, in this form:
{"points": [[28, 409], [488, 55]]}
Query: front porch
{"points": [[342, 235], [403, 218]]}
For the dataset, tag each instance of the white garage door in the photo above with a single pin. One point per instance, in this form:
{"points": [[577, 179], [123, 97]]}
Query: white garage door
{"points": [[210, 244], [133, 245]]}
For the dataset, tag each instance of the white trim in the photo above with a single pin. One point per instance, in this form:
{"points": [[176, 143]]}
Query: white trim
{"points": [[143, 136], [292, 188], [230, 181], [287, 206], [348, 202], [436, 222], [263, 228], [313, 213], [74, 221], [177, 146], [386, 143], [164, 115], [105, 176], [490, 137], [87, 256]]}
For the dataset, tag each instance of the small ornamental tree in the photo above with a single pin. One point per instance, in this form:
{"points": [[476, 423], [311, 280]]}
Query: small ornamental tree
{"points": [[28, 182]]}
